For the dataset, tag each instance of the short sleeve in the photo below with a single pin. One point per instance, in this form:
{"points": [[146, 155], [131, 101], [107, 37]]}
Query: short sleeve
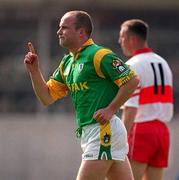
{"points": [[58, 75], [57, 87], [115, 69]]}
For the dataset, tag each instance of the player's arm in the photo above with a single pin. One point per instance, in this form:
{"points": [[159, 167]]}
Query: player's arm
{"points": [[129, 109], [39, 85], [112, 67], [128, 116], [124, 93]]}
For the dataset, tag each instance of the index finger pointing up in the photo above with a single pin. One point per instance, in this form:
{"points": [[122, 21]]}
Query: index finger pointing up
{"points": [[31, 47]]}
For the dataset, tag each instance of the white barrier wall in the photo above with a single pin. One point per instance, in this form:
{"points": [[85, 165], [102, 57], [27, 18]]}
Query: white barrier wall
{"points": [[45, 148]]}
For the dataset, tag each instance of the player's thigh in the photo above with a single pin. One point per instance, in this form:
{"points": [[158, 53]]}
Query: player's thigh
{"points": [[153, 173], [120, 170], [138, 169], [93, 169]]}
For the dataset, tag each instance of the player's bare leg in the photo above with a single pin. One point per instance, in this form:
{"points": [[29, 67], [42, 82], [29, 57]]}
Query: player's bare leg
{"points": [[153, 173], [93, 169], [97, 170], [120, 170], [138, 169]]}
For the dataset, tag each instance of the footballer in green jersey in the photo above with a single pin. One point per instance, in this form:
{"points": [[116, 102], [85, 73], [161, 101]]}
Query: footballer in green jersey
{"points": [[93, 77], [99, 84]]}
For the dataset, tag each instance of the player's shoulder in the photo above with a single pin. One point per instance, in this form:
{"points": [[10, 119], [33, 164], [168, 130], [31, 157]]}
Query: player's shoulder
{"points": [[65, 60], [99, 49], [66, 57], [133, 60], [160, 58], [101, 52]]}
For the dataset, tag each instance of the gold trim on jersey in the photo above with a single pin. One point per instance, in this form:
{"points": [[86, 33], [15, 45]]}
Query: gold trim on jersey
{"points": [[61, 71], [87, 43], [97, 60], [57, 90], [123, 80]]}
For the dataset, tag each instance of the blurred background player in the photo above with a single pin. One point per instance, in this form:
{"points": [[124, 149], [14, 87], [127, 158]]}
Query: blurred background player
{"points": [[150, 107], [99, 83]]}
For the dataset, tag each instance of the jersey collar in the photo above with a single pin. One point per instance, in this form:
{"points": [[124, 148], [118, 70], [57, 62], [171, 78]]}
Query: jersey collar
{"points": [[87, 43], [143, 50]]}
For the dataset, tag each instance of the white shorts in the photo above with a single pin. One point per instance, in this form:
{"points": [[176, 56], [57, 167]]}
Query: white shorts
{"points": [[105, 142]]}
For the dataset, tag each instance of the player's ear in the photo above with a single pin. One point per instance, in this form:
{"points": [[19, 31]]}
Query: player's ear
{"points": [[133, 39], [81, 32]]}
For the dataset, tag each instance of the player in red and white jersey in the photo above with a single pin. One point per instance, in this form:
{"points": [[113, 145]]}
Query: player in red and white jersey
{"points": [[146, 113]]}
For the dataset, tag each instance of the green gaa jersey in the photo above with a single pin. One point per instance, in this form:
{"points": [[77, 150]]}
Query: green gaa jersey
{"points": [[93, 77]]}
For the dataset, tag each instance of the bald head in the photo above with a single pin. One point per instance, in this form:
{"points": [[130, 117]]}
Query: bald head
{"points": [[82, 20]]}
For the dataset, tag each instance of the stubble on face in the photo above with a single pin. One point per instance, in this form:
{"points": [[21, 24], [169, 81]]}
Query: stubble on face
{"points": [[67, 33]]}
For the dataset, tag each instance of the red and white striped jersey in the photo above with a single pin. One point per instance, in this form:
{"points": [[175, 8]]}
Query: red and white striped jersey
{"points": [[154, 95]]}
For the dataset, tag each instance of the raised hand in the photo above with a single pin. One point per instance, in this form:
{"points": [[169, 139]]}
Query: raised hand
{"points": [[31, 59], [31, 48]]}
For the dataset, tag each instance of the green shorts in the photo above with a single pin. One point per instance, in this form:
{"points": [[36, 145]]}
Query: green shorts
{"points": [[105, 142]]}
